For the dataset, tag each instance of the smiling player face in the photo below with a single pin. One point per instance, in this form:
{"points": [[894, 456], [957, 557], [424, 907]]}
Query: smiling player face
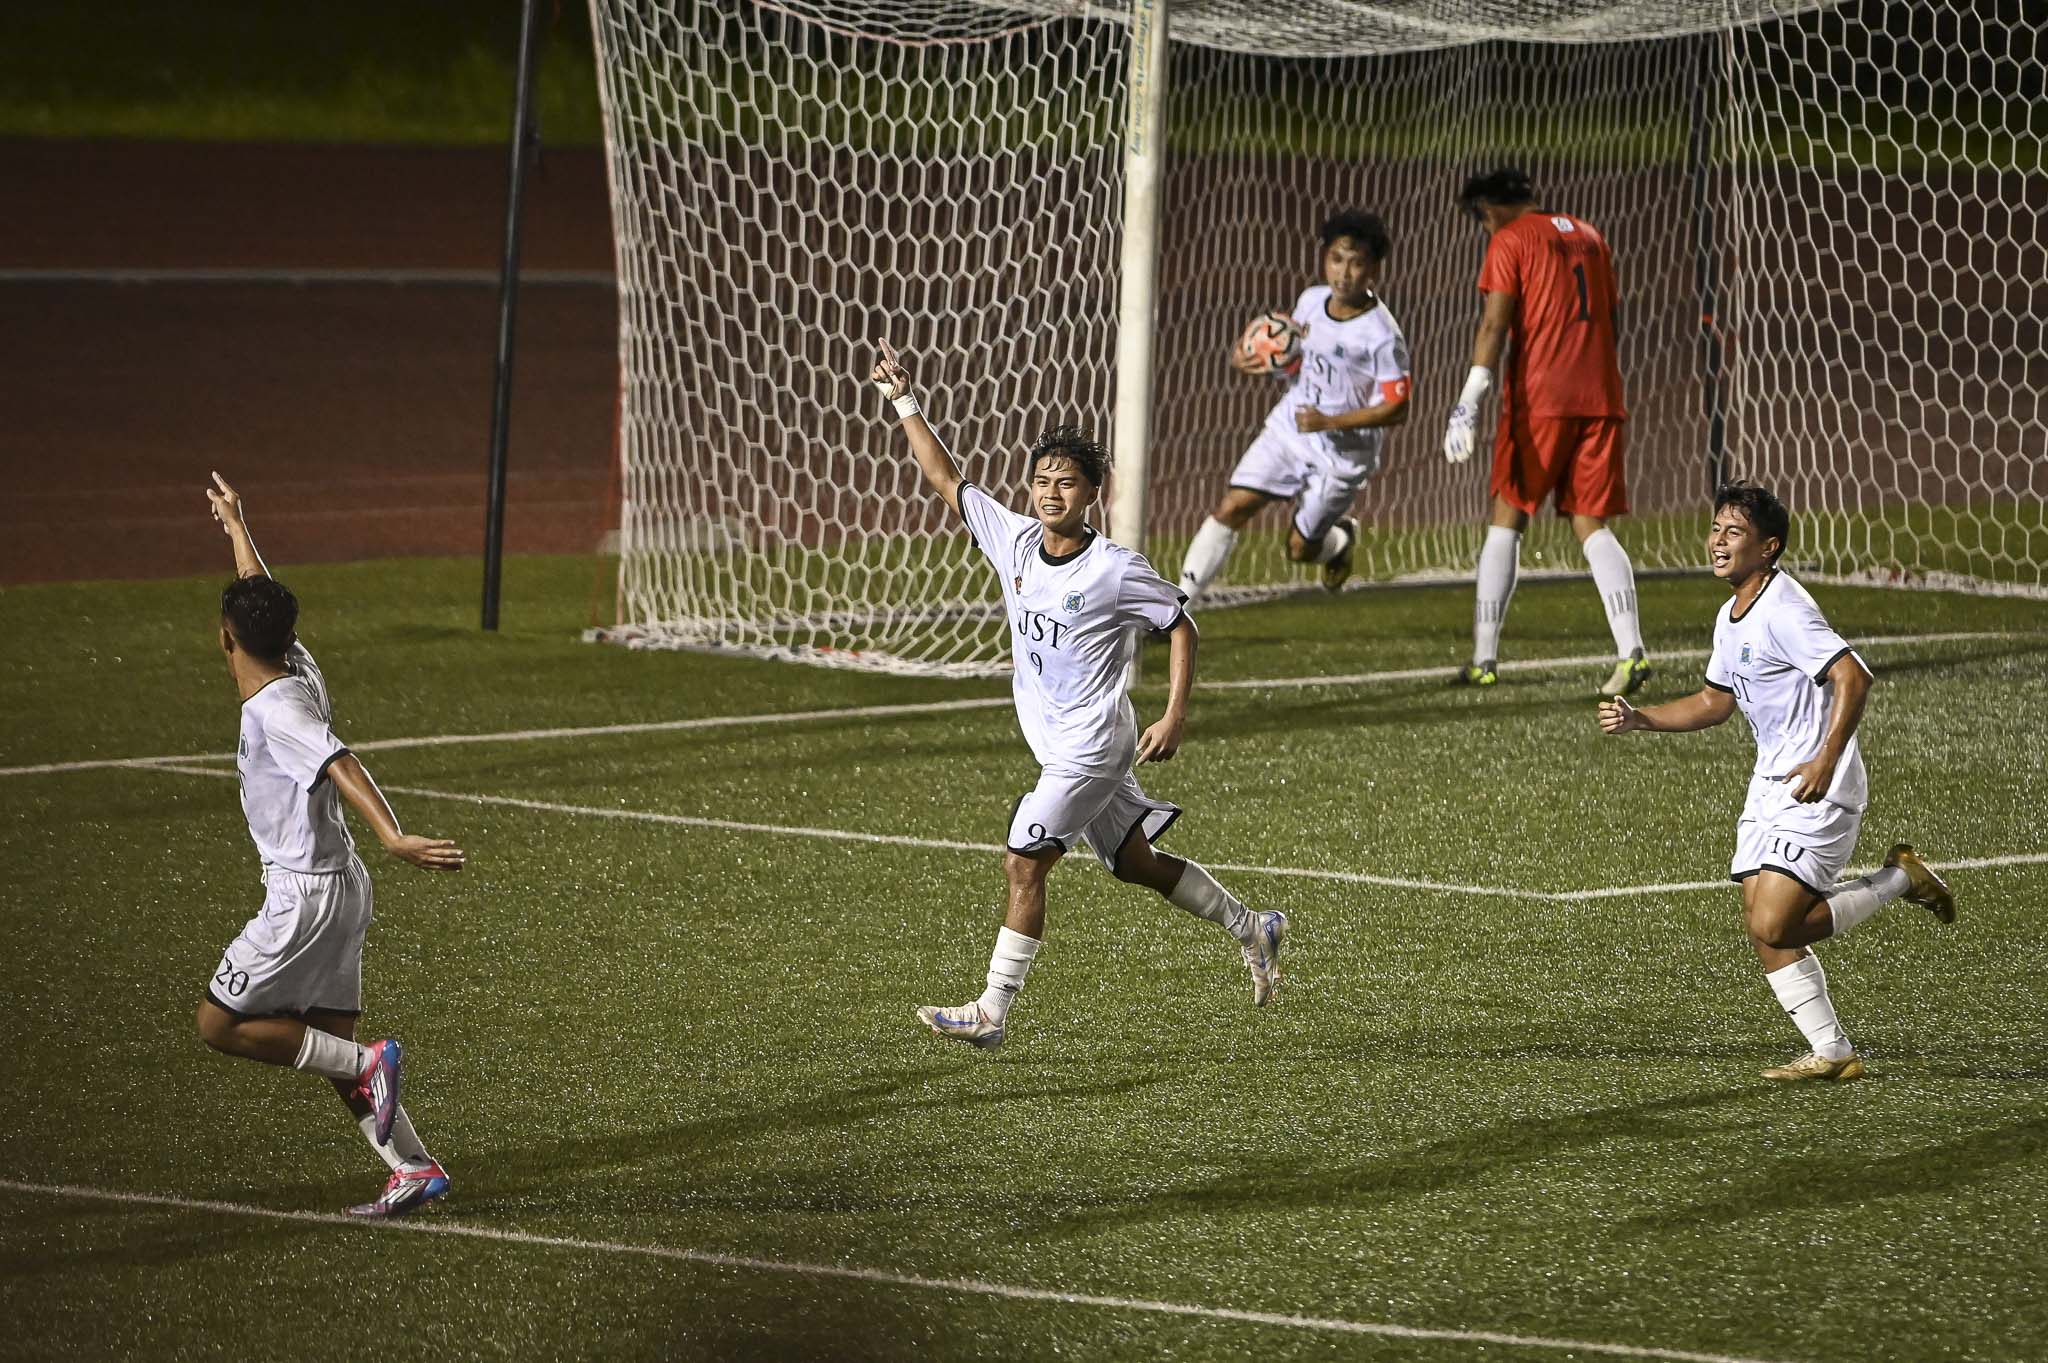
{"points": [[1061, 494], [1735, 550], [1349, 272]]}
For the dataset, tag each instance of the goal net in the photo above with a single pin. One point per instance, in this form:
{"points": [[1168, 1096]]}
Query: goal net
{"points": [[1832, 279]]}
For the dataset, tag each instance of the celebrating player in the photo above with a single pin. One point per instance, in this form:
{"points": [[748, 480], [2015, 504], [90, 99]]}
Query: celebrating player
{"points": [[1324, 438], [1548, 284], [1802, 690], [1076, 602], [289, 990]]}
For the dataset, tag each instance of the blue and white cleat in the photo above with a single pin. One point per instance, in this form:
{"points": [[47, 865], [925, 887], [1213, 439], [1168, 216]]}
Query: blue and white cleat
{"points": [[378, 1084], [964, 1023], [1262, 956], [407, 1190]]}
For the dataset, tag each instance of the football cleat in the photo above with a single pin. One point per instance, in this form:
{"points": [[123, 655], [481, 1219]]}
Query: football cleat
{"points": [[964, 1023], [407, 1190], [1477, 674], [1262, 956], [1338, 570], [1812, 1066], [1929, 890], [1628, 677], [378, 1084]]}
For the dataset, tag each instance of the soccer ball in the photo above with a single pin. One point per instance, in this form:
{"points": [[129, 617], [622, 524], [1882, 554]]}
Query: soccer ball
{"points": [[1274, 340]]}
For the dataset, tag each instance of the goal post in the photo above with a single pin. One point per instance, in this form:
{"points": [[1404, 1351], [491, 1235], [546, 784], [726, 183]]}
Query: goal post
{"points": [[1832, 279]]}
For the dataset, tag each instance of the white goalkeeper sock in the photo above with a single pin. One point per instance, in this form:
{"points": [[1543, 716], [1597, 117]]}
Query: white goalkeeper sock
{"points": [[330, 1056], [1198, 893], [403, 1150], [1615, 576], [1499, 560], [1007, 968], [1207, 554], [1802, 990], [1334, 542], [1852, 901]]}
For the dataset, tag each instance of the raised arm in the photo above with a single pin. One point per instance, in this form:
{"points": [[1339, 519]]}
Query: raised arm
{"points": [[1810, 779], [934, 460], [227, 509], [1705, 708], [1160, 742], [355, 785]]}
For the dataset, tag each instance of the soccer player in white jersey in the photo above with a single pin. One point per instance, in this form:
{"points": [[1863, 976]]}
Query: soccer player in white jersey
{"points": [[1326, 436], [1076, 603], [1803, 690], [289, 989]]}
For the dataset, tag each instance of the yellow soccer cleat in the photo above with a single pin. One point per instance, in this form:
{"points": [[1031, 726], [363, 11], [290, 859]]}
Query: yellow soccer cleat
{"points": [[1628, 677], [1338, 569], [1811, 1066], [1477, 674], [1929, 890]]}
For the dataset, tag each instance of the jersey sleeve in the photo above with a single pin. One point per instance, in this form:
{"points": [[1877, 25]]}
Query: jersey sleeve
{"points": [[1501, 271], [990, 524], [1803, 637], [1146, 599], [1718, 674], [1391, 375], [301, 742]]}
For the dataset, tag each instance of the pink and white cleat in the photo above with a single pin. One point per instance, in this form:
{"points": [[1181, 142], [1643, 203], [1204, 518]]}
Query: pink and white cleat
{"points": [[407, 1190]]}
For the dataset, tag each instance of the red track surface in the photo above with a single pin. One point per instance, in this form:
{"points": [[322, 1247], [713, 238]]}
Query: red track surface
{"points": [[354, 415]]}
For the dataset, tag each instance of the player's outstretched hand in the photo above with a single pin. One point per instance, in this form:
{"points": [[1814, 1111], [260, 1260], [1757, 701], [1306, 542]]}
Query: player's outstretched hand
{"points": [[1160, 742], [429, 854], [889, 375], [1247, 364], [1617, 716], [1458, 435], [226, 504], [1810, 780]]}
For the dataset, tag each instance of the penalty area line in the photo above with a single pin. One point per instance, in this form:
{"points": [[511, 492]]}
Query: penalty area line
{"points": [[878, 1276], [934, 707]]}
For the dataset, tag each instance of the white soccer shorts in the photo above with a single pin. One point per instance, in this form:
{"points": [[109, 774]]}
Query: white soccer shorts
{"points": [[1322, 487], [1812, 843], [1065, 809], [303, 949]]}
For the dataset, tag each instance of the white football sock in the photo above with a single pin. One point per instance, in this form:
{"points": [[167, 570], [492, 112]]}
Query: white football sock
{"points": [[1198, 893], [1802, 990], [330, 1056], [1615, 576], [1499, 559], [1007, 968], [1334, 542], [403, 1150], [1207, 554], [1852, 901]]}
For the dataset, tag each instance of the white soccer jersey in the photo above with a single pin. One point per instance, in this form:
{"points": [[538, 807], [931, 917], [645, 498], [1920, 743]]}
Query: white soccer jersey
{"points": [[1362, 362], [287, 745], [1074, 623], [1774, 658]]}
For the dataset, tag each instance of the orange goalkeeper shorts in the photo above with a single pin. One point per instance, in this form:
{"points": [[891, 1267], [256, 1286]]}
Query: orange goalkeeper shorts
{"points": [[1578, 457]]}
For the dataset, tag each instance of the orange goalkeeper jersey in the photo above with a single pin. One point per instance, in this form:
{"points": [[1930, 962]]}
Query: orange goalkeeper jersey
{"points": [[1564, 361]]}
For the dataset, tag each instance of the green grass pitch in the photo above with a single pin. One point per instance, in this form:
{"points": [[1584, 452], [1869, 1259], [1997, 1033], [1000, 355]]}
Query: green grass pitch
{"points": [[1524, 1126]]}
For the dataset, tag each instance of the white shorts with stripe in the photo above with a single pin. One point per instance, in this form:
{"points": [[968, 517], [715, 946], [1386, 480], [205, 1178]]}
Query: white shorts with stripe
{"points": [[1065, 809], [303, 949], [1812, 843], [1321, 486]]}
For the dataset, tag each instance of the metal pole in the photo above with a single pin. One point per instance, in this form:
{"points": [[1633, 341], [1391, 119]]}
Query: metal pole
{"points": [[1144, 171], [524, 140], [1706, 246]]}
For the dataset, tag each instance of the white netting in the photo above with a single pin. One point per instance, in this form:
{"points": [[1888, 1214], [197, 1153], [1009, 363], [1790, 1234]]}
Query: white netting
{"points": [[791, 181]]}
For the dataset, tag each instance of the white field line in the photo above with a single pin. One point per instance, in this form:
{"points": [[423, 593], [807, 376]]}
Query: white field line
{"points": [[954, 845], [916, 708], [881, 1277]]}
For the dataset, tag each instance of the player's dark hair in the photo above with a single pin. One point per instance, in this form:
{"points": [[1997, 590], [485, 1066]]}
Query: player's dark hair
{"points": [[1503, 188], [262, 614], [1071, 442], [1762, 508], [1362, 227]]}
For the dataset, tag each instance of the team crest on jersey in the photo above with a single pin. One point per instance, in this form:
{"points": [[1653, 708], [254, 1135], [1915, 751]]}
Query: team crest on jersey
{"points": [[1072, 604], [1745, 653]]}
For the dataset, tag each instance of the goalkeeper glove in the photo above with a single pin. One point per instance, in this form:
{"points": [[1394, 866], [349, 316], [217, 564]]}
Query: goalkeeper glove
{"points": [[1458, 438]]}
